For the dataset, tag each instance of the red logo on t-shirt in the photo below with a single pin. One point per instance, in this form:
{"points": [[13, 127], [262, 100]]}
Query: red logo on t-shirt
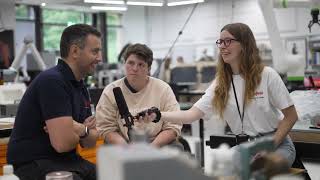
{"points": [[258, 94]]}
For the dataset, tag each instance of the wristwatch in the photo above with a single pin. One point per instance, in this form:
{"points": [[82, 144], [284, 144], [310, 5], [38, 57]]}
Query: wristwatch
{"points": [[86, 133]]}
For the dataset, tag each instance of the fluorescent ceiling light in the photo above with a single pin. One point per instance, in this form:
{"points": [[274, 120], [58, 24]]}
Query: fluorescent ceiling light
{"points": [[104, 1], [299, 1], [184, 2], [108, 8], [137, 3], [43, 4]]}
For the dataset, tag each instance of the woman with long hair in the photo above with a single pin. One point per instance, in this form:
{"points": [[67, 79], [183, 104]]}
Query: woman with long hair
{"points": [[250, 97]]}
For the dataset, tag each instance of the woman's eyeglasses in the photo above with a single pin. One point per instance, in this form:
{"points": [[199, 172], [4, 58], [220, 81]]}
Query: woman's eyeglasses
{"points": [[225, 42]]}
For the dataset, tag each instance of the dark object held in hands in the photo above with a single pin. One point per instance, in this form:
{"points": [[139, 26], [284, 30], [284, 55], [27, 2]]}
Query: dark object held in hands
{"points": [[149, 111]]}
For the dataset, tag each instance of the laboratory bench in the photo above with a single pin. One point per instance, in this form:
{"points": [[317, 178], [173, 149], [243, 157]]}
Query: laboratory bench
{"points": [[306, 141]]}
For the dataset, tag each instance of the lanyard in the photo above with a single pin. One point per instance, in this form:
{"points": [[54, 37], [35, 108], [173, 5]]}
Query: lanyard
{"points": [[241, 116]]}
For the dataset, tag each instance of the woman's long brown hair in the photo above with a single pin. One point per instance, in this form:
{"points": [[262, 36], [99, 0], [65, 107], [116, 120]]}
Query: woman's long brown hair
{"points": [[250, 68]]}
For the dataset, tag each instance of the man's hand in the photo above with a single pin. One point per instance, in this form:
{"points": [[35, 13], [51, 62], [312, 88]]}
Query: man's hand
{"points": [[62, 136], [147, 118], [90, 122], [90, 140], [258, 155], [79, 128], [149, 115]]}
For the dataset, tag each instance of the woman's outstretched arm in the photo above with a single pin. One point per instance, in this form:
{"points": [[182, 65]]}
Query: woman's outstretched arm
{"points": [[184, 117]]}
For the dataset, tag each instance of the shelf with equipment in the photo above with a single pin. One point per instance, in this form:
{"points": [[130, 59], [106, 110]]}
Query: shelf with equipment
{"points": [[314, 52]]}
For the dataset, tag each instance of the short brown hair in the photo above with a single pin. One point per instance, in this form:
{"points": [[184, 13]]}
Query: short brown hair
{"points": [[140, 50], [75, 34]]}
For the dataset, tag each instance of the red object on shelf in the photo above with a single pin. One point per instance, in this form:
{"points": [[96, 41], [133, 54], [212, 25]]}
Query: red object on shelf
{"points": [[316, 81]]}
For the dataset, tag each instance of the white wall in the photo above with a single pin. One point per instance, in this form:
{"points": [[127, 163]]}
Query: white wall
{"points": [[7, 15], [162, 24], [134, 25]]}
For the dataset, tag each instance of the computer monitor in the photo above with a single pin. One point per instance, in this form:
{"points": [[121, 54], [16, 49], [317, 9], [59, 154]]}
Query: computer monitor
{"points": [[6, 47], [184, 75], [8, 75], [207, 73], [113, 66]]}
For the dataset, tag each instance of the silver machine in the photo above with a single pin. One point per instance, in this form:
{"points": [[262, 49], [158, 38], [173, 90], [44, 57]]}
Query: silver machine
{"points": [[10, 96], [138, 161], [141, 161]]}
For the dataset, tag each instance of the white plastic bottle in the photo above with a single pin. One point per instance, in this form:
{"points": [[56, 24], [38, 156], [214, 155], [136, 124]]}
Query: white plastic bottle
{"points": [[8, 173], [223, 165]]}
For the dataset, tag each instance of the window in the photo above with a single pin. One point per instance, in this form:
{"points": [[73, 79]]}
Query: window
{"points": [[24, 12], [51, 37], [114, 28], [62, 17], [55, 21]]}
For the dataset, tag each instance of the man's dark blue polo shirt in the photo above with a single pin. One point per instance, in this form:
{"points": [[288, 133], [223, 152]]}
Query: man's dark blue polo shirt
{"points": [[53, 93]]}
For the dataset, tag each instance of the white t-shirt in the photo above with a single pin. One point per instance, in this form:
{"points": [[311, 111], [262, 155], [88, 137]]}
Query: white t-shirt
{"points": [[262, 114]]}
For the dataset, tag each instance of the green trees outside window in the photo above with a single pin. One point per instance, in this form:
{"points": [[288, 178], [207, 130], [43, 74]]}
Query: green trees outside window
{"points": [[113, 38], [24, 12], [54, 22]]}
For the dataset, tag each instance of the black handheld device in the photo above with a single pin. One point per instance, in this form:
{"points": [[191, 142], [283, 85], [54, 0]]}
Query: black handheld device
{"points": [[148, 111], [240, 138]]}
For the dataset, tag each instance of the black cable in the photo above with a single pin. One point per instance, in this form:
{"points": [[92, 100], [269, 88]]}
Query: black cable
{"points": [[175, 41]]}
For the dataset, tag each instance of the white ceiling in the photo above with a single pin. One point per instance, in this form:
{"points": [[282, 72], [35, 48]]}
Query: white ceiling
{"points": [[78, 5], [48, 1], [71, 4]]}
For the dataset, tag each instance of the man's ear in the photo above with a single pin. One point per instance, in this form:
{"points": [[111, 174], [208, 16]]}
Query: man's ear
{"points": [[149, 69], [74, 51]]}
